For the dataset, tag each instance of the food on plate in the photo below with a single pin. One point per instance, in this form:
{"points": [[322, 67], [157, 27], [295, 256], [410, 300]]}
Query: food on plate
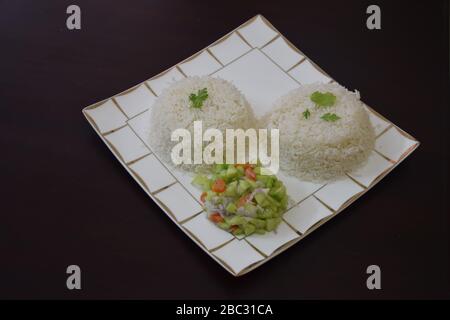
{"points": [[237, 198], [216, 102], [324, 131]]}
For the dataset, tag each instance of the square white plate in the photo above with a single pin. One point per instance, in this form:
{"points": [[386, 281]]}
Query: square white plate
{"points": [[264, 65]]}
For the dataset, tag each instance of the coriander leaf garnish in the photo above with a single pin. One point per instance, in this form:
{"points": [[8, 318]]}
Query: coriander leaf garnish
{"points": [[326, 99], [198, 99], [330, 117], [306, 113]]}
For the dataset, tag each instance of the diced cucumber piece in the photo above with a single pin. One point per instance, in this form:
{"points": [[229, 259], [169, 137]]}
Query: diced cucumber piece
{"points": [[274, 212], [250, 209], [209, 195], [223, 225], [260, 184], [278, 193], [268, 180], [231, 190], [231, 207], [266, 214], [202, 182], [272, 224], [231, 172], [272, 201], [243, 186], [262, 178], [249, 229], [265, 203], [260, 231], [258, 223], [236, 220], [252, 183], [260, 197]]}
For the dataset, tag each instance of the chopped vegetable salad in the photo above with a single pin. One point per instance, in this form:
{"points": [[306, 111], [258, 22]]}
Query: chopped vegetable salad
{"points": [[237, 198]]}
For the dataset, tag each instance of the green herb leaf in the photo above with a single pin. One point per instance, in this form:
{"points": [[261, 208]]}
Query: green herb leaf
{"points": [[326, 99], [198, 99], [306, 113], [330, 117]]}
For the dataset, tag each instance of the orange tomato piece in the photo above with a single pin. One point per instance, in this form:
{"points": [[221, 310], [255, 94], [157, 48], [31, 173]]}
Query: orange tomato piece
{"points": [[243, 200], [215, 217], [249, 173], [203, 197], [218, 186]]}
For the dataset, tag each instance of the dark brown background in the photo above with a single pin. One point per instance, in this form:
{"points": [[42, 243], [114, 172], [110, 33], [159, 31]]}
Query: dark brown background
{"points": [[67, 200]]}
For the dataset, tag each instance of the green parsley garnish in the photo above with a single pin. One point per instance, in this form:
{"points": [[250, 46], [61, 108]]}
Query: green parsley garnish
{"points": [[198, 99], [330, 117], [306, 113], [326, 99]]}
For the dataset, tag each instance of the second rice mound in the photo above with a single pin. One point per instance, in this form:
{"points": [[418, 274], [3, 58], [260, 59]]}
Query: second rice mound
{"points": [[317, 150]]}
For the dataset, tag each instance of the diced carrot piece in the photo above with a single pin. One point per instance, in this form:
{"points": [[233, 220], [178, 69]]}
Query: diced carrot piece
{"points": [[203, 197], [234, 227]]}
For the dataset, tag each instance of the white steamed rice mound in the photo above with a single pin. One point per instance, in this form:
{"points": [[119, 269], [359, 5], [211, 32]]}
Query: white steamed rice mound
{"points": [[316, 150], [225, 108]]}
